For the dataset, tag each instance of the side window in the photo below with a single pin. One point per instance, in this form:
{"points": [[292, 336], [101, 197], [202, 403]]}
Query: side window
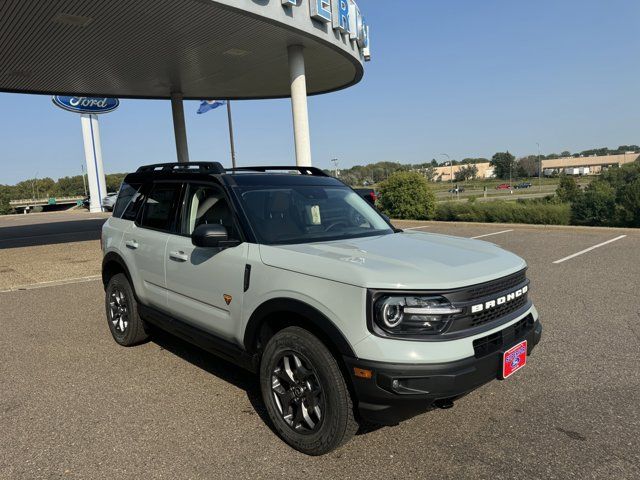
{"points": [[207, 205], [126, 195], [160, 206], [135, 204]]}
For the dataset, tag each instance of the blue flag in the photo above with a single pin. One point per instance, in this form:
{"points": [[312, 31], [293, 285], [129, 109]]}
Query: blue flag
{"points": [[207, 105]]}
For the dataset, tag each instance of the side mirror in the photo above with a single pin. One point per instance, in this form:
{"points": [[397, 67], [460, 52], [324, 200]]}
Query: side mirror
{"points": [[212, 236]]}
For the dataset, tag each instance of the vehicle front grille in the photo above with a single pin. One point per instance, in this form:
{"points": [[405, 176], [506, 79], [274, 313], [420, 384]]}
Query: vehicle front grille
{"points": [[492, 343], [497, 286], [481, 318], [479, 295]]}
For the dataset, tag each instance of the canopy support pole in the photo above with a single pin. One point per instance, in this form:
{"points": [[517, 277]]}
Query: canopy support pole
{"points": [[179, 127], [299, 106]]}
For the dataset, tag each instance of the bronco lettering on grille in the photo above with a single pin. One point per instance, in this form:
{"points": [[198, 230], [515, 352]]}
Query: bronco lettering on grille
{"points": [[500, 300]]}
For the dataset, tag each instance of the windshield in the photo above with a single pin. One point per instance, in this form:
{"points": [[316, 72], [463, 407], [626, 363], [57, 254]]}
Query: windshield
{"points": [[304, 214]]}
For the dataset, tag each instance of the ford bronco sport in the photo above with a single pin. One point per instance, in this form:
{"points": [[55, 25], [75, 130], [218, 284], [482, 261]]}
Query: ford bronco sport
{"points": [[290, 274]]}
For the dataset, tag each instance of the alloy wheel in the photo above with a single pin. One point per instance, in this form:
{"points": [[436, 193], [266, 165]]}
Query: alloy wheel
{"points": [[297, 393], [118, 310]]}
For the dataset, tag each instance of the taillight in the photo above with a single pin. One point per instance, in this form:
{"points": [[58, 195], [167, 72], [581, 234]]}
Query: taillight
{"points": [[374, 197]]}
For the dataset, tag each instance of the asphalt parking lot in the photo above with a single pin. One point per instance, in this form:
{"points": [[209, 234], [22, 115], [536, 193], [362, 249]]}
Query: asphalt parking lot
{"points": [[73, 404]]}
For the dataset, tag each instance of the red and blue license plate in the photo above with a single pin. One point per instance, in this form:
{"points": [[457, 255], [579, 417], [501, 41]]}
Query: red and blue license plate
{"points": [[514, 359]]}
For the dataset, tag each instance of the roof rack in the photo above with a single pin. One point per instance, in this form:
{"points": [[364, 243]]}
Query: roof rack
{"points": [[313, 171], [201, 167]]}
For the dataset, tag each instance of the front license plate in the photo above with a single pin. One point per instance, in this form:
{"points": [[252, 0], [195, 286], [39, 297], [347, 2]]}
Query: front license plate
{"points": [[514, 359]]}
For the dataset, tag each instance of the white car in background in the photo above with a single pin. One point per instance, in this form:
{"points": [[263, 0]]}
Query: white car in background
{"points": [[109, 201]]}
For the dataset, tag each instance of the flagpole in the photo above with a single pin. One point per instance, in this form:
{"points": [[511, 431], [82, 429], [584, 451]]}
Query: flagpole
{"points": [[233, 148]]}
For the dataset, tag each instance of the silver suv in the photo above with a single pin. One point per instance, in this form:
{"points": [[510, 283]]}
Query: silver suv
{"points": [[292, 275]]}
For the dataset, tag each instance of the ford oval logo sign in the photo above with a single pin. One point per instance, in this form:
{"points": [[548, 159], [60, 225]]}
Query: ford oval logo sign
{"points": [[86, 104]]}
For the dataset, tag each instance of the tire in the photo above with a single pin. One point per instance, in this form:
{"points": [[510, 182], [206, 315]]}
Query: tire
{"points": [[293, 388], [125, 324]]}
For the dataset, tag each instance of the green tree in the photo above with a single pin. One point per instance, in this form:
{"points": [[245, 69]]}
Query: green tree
{"points": [[528, 166], [406, 195], [5, 208], [114, 181], [568, 189], [629, 205], [596, 207], [468, 172], [504, 164]]}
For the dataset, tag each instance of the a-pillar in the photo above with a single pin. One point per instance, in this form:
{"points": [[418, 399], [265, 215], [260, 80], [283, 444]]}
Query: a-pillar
{"points": [[299, 106], [179, 127]]}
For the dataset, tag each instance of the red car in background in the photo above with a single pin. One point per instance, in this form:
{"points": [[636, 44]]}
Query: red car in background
{"points": [[503, 186]]}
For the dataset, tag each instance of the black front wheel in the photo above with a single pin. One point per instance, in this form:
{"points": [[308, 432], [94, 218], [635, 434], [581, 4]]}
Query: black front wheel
{"points": [[125, 323], [305, 393]]}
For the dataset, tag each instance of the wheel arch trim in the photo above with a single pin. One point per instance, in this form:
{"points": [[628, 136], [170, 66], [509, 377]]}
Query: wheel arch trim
{"points": [[288, 305], [111, 258]]}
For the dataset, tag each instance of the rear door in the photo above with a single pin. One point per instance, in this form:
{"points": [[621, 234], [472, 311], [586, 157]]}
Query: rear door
{"points": [[205, 286], [145, 242]]}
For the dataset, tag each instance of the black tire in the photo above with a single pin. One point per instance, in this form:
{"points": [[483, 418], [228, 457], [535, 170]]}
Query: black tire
{"points": [[125, 324], [335, 424]]}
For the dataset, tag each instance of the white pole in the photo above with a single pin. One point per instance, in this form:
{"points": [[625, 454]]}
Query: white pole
{"points": [[93, 156], [299, 106], [179, 127]]}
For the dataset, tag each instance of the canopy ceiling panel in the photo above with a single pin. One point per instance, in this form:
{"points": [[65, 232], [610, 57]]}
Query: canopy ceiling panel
{"points": [[150, 48]]}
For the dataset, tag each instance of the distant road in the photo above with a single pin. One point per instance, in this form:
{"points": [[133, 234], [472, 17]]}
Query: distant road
{"points": [[49, 228]]}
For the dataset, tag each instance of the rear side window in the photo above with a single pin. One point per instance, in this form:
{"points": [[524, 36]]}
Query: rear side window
{"points": [[160, 206], [127, 194]]}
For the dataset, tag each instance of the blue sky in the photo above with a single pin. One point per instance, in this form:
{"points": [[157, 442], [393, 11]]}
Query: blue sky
{"points": [[467, 78]]}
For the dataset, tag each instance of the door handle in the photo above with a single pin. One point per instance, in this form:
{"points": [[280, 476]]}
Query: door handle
{"points": [[132, 244], [178, 256]]}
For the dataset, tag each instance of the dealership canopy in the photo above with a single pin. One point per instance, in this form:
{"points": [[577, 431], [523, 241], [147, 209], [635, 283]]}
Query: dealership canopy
{"points": [[200, 48], [177, 49]]}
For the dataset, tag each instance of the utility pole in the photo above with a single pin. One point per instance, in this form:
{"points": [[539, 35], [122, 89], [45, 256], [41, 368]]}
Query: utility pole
{"points": [[510, 179], [451, 169], [335, 167], [539, 168], [84, 181]]}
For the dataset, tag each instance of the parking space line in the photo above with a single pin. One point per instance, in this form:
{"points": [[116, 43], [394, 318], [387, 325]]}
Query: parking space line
{"points": [[587, 250], [417, 228], [491, 234], [53, 283]]}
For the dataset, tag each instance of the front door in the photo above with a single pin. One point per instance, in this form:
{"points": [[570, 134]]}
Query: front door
{"points": [[205, 285]]}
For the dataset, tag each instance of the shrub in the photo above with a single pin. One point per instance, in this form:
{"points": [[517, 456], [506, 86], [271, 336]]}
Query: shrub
{"points": [[523, 211], [611, 200], [568, 189], [596, 207], [630, 204], [406, 195]]}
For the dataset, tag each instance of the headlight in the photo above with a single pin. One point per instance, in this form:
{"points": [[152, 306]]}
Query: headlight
{"points": [[413, 315]]}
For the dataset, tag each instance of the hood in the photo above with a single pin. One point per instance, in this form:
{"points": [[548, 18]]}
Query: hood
{"points": [[407, 260]]}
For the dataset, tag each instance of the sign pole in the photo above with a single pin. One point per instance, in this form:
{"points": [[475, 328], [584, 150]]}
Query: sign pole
{"points": [[233, 147], [93, 157]]}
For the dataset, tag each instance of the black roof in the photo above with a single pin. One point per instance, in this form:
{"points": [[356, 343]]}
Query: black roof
{"points": [[259, 175]]}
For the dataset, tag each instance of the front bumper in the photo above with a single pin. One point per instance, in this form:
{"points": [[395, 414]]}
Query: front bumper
{"points": [[417, 387]]}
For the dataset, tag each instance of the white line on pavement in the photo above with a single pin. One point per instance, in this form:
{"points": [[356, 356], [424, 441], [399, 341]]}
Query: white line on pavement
{"points": [[491, 234], [53, 283], [416, 228], [586, 250]]}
